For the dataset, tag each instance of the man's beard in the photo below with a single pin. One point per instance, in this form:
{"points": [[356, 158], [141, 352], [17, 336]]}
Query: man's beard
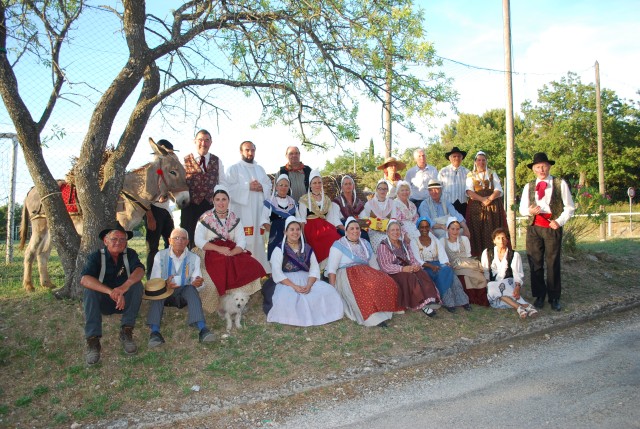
{"points": [[249, 160]]}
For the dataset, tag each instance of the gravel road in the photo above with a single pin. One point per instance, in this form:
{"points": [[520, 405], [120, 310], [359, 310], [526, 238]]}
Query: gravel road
{"points": [[585, 376]]}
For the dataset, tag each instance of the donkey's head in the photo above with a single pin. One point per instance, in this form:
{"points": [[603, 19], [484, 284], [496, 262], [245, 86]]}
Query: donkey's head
{"points": [[172, 177]]}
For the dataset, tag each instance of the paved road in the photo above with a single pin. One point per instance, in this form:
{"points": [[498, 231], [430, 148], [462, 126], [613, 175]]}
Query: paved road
{"points": [[585, 377]]}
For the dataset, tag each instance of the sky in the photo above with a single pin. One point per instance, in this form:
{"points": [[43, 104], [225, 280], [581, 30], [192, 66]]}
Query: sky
{"points": [[549, 39]]}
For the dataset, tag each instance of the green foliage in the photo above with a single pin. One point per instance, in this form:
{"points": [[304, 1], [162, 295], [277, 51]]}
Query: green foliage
{"points": [[366, 163], [473, 133], [17, 216], [590, 213], [563, 124]]}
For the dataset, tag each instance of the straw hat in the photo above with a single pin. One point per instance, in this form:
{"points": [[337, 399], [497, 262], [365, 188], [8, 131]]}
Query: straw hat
{"points": [[156, 289], [391, 160]]}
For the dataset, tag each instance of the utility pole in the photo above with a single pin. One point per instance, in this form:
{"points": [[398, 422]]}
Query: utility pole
{"points": [[600, 147], [510, 155]]}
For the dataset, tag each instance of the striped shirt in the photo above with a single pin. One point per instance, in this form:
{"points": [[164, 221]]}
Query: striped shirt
{"points": [[454, 184]]}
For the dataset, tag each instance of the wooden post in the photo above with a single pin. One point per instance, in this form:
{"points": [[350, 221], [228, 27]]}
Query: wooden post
{"points": [[510, 155], [601, 186]]}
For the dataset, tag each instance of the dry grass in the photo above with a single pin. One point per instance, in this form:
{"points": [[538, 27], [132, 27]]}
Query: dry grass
{"points": [[44, 381]]}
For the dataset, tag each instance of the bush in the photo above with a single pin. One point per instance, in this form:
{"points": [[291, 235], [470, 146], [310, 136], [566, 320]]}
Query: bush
{"points": [[590, 203]]}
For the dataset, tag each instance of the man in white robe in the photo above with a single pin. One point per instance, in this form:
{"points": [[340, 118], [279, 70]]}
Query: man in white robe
{"points": [[249, 186]]}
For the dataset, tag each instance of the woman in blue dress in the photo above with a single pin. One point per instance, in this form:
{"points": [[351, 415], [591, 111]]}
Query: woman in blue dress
{"points": [[276, 211]]}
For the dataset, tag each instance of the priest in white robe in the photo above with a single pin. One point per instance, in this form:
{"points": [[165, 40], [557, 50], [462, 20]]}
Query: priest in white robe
{"points": [[249, 186]]}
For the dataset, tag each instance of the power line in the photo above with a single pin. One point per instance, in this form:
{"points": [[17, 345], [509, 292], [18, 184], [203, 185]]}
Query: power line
{"points": [[471, 66]]}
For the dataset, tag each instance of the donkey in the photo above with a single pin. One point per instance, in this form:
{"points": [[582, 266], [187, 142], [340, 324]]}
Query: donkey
{"points": [[163, 177]]}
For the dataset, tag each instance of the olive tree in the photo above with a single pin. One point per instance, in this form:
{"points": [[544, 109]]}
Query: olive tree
{"points": [[308, 62]]}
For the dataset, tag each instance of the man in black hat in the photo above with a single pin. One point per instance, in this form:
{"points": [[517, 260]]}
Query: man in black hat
{"points": [[158, 220], [453, 178], [112, 278], [548, 204]]}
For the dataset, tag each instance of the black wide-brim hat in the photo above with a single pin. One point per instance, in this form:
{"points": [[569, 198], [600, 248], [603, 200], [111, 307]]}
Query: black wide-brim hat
{"points": [[455, 150], [540, 157], [117, 227]]}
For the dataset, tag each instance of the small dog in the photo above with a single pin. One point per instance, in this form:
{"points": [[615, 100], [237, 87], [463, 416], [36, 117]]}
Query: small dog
{"points": [[233, 303]]}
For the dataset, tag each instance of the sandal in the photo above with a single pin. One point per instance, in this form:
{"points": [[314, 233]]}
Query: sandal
{"points": [[531, 311], [522, 312]]}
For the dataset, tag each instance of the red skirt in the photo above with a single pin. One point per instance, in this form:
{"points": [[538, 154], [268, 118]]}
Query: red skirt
{"points": [[320, 235], [373, 290], [230, 272]]}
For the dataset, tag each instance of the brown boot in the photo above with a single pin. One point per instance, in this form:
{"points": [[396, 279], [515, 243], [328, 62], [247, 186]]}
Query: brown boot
{"points": [[92, 355], [126, 338]]}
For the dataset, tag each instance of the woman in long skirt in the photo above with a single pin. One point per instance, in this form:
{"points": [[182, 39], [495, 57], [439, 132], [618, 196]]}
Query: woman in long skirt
{"points": [[484, 210], [220, 235], [300, 298], [416, 289], [370, 296], [321, 217], [435, 262], [459, 252]]}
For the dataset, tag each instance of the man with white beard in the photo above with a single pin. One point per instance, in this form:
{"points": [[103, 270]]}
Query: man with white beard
{"points": [[249, 186]]}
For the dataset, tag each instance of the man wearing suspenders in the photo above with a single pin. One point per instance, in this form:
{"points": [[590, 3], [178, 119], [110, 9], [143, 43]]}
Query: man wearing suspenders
{"points": [[112, 278]]}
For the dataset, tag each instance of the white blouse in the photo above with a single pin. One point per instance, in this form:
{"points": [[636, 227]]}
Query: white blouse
{"points": [[203, 235], [499, 267], [427, 254]]}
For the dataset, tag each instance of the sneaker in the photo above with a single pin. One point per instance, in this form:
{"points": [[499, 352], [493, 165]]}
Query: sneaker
{"points": [[206, 336], [428, 311], [126, 338], [467, 307], [92, 355], [434, 305], [155, 339]]}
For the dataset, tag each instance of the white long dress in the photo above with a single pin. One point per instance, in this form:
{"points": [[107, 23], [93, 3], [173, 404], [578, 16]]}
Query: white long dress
{"points": [[248, 205], [320, 306]]}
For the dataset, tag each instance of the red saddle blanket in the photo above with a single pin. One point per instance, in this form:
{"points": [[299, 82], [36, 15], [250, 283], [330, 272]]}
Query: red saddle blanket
{"points": [[70, 197]]}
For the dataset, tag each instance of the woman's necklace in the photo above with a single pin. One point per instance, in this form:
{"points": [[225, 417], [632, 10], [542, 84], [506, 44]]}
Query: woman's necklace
{"points": [[482, 179], [216, 213]]}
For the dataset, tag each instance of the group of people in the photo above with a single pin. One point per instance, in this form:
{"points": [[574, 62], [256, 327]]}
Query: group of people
{"points": [[326, 258]]}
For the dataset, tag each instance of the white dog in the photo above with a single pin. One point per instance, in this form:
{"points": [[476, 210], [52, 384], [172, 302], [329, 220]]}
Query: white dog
{"points": [[233, 303]]}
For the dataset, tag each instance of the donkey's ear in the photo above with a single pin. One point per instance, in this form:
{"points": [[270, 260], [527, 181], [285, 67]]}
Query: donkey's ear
{"points": [[158, 150]]}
